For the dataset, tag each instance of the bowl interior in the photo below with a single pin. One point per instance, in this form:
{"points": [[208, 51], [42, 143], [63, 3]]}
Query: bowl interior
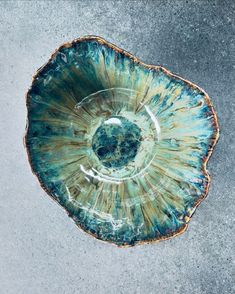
{"points": [[121, 145]]}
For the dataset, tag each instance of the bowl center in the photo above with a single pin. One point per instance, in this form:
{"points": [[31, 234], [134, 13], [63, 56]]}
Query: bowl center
{"points": [[116, 141]]}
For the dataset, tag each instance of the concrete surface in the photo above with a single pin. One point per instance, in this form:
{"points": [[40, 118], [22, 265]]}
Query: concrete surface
{"points": [[41, 249]]}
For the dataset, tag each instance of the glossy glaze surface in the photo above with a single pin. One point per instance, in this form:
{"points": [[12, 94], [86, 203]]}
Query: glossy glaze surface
{"points": [[116, 141], [121, 145]]}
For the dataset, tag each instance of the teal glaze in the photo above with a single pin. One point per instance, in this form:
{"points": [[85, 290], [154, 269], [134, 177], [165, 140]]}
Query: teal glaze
{"points": [[116, 141], [139, 180]]}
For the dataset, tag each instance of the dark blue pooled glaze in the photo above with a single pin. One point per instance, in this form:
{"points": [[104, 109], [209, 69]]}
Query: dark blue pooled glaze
{"points": [[116, 141], [121, 145]]}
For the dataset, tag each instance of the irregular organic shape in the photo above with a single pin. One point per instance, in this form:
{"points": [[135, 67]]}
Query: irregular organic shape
{"points": [[121, 145]]}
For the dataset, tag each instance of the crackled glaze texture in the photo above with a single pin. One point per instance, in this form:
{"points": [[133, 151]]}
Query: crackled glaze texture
{"points": [[121, 145]]}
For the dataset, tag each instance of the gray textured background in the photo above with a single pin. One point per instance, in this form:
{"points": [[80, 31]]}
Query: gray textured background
{"points": [[41, 249]]}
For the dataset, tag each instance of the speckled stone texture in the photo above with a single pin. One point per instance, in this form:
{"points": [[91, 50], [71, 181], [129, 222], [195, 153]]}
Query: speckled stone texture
{"points": [[41, 249]]}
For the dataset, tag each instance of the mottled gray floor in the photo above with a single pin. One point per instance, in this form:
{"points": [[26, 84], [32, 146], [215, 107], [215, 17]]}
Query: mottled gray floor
{"points": [[41, 250]]}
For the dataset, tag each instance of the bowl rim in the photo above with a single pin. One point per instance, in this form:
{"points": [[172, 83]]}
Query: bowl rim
{"points": [[136, 60]]}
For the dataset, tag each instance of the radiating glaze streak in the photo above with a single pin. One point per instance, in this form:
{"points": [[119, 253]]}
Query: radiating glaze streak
{"points": [[156, 197]]}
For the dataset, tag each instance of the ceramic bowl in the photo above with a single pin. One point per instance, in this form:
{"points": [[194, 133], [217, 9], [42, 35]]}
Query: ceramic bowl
{"points": [[121, 145]]}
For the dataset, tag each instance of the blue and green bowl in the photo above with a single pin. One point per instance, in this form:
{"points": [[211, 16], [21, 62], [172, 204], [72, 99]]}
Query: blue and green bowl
{"points": [[122, 146]]}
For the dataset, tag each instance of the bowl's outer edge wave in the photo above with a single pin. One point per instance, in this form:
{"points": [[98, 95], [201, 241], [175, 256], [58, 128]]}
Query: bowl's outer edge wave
{"points": [[150, 67]]}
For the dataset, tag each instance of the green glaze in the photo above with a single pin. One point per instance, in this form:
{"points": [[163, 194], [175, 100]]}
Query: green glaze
{"points": [[121, 145]]}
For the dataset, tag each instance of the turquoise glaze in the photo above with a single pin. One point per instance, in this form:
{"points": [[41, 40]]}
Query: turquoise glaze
{"points": [[116, 141], [121, 145]]}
